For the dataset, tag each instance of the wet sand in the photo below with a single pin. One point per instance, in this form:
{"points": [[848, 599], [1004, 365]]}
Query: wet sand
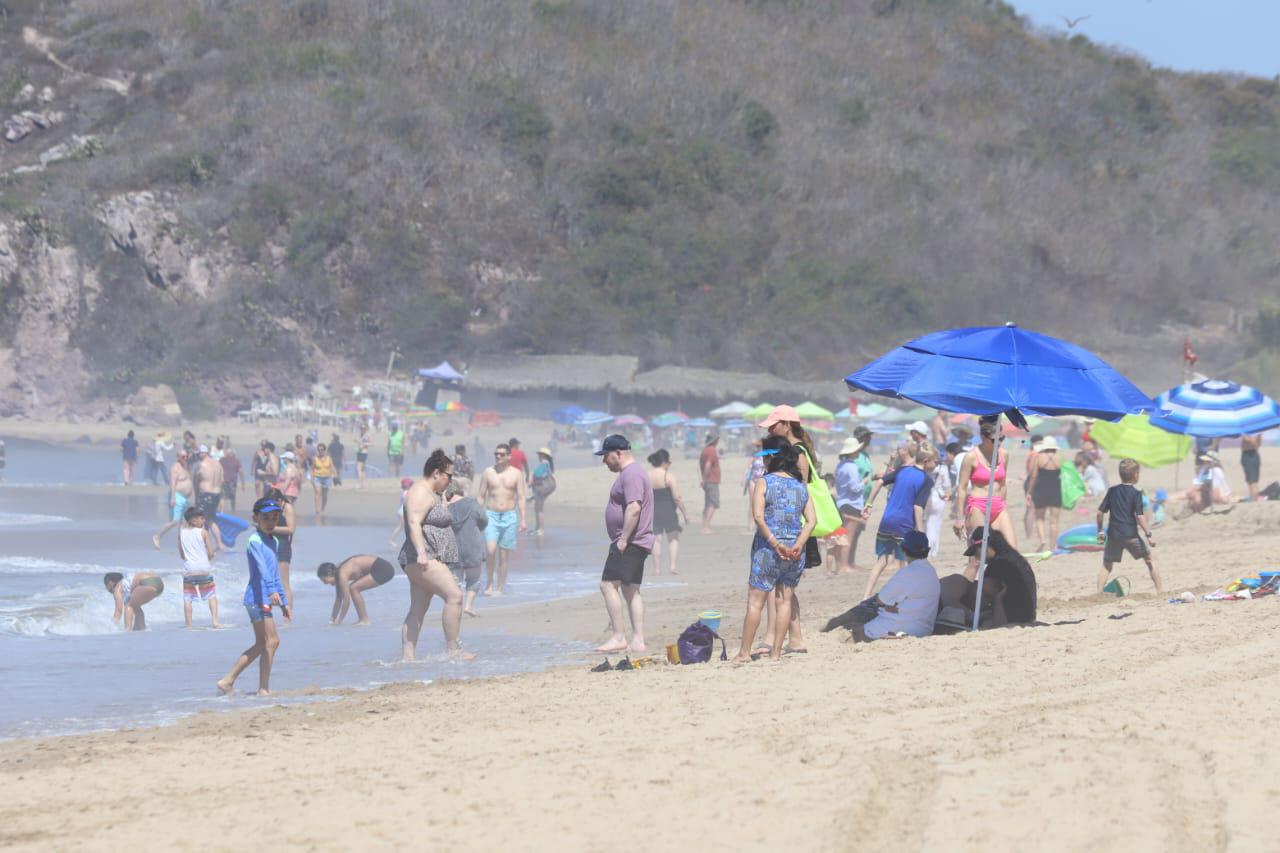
{"points": [[1118, 723]]}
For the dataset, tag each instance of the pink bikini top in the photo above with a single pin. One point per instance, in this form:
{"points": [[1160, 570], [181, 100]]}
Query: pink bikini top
{"points": [[981, 474]]}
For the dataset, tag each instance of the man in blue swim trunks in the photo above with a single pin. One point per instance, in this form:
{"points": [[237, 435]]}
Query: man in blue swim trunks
{"points": [[502, 494]]}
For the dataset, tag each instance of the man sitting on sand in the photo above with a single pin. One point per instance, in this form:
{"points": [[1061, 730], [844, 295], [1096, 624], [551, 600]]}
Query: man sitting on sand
{"points": [[352, 578], [502, 493], [909, 601]]}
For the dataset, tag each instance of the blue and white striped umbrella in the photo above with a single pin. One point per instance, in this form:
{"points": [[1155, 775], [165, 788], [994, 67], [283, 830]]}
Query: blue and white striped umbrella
{"points": [[1215, 408]]}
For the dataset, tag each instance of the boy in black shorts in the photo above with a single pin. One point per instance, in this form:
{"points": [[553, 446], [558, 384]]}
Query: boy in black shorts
{"points": [[1124, 502]]}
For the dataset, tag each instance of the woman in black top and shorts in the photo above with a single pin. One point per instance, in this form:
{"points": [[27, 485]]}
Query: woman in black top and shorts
{"points": [[666, 501]]}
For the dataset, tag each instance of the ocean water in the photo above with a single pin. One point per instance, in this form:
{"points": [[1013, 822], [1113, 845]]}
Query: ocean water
{"points": [[66, 667]]}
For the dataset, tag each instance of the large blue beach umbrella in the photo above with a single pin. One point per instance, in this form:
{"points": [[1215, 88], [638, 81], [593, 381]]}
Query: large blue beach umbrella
{"points": [[1215, 408], [994, 370]]}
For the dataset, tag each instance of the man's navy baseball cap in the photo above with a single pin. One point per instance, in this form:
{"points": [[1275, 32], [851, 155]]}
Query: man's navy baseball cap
{"points": [[612, 443]]}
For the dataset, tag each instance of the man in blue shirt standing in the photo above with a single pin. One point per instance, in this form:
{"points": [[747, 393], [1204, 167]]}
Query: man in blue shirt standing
{"points": [[903, 512]]}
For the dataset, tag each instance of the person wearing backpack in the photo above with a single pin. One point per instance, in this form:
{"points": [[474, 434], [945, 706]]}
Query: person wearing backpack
{"points": [[785, 519]]}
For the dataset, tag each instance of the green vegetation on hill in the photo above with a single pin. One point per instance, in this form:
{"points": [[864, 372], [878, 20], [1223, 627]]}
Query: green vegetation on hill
{"points": [[785, 185]]}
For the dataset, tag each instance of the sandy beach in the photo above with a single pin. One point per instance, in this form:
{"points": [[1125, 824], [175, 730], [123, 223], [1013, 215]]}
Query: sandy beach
{"points": [[1116, 723]]}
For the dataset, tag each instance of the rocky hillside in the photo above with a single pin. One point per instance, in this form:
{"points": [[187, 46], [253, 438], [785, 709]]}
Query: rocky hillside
{"points": [[234, 197]]}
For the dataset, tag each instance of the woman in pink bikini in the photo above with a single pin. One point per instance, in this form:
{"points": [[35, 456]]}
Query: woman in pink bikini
{"points": [[975, 478]]}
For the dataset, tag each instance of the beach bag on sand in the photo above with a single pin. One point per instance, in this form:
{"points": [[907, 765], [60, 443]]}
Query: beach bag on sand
{"points": [[824, 506], [697, 642], [1073, 488], [544, 486]]}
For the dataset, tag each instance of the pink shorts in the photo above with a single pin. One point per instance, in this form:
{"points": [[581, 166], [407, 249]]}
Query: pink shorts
{"points": [[980, 504]]}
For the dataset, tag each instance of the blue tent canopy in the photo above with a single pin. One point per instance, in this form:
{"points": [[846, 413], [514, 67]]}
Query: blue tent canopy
{"points": [[442, 372], [568, 414]]}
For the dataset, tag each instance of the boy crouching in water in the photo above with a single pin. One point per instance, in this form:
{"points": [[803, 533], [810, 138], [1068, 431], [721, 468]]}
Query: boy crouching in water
{"points": [[195, 547], [1124, 502], [262, 593]]}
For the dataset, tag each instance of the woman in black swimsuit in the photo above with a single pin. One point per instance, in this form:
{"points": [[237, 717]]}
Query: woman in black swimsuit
{"points": [[666, 501], [1045, 487], [352, 578]]}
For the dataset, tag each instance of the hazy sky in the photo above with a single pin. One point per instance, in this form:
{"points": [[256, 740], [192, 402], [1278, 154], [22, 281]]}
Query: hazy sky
{"points": [[1189, 35]]}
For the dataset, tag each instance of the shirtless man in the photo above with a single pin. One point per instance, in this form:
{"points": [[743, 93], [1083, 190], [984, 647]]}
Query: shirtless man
{"points": [[502, 494], [350, 579], [208, 481], [179, 495]]}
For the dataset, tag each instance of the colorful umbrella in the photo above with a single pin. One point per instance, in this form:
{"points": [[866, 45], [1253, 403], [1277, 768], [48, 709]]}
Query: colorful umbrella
{"points": [[1137, 439], [1216, 408], [759, 413], [628, 420], [453, 406], [810, 411], [736, 424], [669, 419], [593, 418], [700, 423]]}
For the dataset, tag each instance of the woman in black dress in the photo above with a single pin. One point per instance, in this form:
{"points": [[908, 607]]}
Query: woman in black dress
{"points": [[666, 501], [1045, 486]]}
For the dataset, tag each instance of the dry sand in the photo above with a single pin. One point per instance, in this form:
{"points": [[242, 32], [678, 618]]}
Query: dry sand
{"points": [[1120, 724]]}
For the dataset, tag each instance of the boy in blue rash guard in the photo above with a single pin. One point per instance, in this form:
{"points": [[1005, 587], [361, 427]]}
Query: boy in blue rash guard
{"points": [[263, 591]]}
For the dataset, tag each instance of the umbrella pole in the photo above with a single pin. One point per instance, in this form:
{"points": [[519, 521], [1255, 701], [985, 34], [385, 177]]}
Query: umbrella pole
{"points": [[986, 525]]}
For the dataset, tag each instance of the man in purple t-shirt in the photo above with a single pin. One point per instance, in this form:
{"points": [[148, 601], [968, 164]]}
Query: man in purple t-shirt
{"points": [[628, 519]]}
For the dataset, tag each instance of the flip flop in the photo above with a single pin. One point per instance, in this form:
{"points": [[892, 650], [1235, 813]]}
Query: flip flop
{"points": [[787, 650], [603, 667], [624, 664]]}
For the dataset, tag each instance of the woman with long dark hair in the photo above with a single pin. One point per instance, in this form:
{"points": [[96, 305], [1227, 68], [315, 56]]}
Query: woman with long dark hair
{"points": [[784, 518], [429, 545], [667, 500], [784, 422]]}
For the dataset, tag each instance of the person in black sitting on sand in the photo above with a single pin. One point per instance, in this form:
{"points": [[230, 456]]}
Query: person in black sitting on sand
{"points": [[1011, 576]]}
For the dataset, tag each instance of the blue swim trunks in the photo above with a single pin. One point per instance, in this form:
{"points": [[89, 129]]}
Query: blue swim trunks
{"points": [[502, 528], [258, 613], [890, 546], [179, 507]]}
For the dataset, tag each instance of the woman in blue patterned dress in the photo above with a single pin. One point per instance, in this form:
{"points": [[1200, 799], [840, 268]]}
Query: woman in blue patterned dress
{"points": [[784, 520]]}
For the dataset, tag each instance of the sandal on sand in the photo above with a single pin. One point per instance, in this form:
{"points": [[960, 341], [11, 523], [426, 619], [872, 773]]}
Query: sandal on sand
{"points": [[603, 667], [624, 664], [762, 649], [787, 650]]}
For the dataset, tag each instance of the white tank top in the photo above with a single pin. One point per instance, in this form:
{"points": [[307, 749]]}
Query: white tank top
{"points": [[195, 557]]}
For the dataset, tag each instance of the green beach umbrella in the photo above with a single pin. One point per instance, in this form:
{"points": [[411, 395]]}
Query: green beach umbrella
{"points": [[1136, 438], [810, 411], [759, 413]]}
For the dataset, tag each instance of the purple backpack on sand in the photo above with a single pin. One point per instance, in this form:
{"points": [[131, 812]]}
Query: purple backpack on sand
{"points": [[697, 642]]}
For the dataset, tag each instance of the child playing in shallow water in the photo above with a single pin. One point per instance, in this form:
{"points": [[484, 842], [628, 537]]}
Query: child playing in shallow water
{"points": [[263, 592], [195, 547], [130, 595]]}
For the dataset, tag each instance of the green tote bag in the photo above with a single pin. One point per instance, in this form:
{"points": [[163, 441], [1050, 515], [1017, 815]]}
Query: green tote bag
{"points": [[824, 506]]}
